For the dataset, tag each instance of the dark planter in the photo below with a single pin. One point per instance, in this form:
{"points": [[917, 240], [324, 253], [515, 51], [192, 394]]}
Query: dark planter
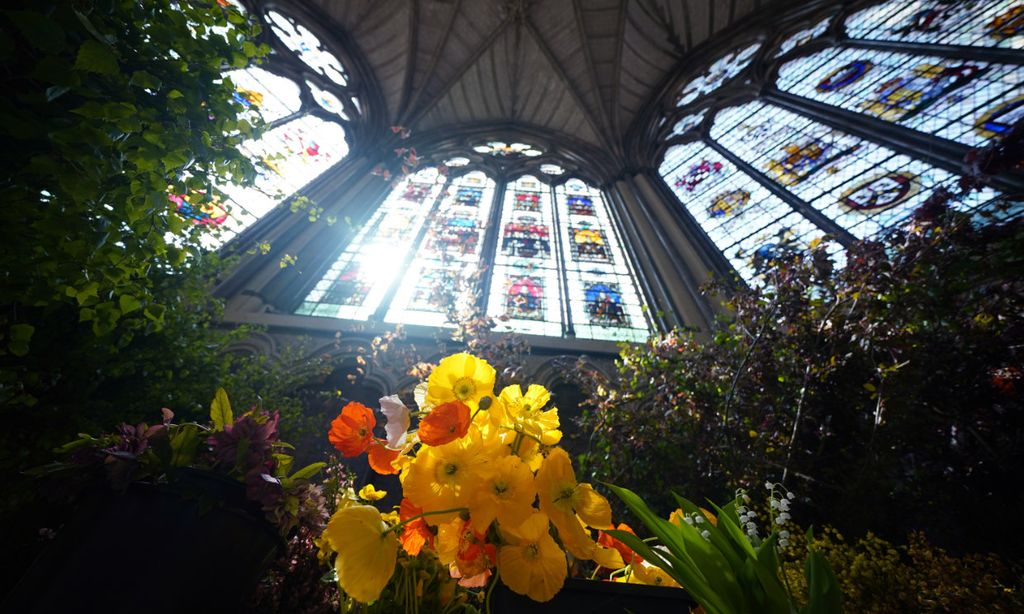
{"points": [[593, 597], [197, 545]]}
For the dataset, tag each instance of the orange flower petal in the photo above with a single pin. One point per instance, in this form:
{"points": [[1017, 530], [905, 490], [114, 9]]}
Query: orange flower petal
{"points": [[352, 431], [381, 457], [628, 556], [417, 533], [445, 423]]}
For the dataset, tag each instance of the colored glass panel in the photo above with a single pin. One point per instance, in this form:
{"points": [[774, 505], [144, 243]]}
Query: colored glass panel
{"points": [[500, 149], [307, 46], [801, 38], [327, 100], [862, 186], [447, 259], [525, 291], [602, 295], [736, 212], [273, 96], [718, 73], [961, 100], [980, 23], [687, 123], [358, 280]]}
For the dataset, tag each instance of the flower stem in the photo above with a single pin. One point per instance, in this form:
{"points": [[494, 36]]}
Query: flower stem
{"points": [[418, 516]]}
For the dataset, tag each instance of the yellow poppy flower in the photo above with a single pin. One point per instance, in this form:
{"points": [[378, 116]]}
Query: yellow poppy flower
{"points": [[507, 495], [531, 563], [369, 493], [531, 453], [460, 377], [645, 573], [562, 499], [448, 476], [525, 412], [366, 554]]}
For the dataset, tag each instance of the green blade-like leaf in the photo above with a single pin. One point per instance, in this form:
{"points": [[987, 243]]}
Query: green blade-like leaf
{"points": [[823, 591], [685, 574], [308, 471], [220, 411]]}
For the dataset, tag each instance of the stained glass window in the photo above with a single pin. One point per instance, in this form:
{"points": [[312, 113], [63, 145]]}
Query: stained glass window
{"points": [[448, 256], [273, 96], [802, 37], [551, 169], [456, 162], [982, 23], [290, 156], [962, 100], [736, 212], [862, 186], [525, 291], [718, 73], [499, 149], [307, 46], [602, 297], [358, 280]]}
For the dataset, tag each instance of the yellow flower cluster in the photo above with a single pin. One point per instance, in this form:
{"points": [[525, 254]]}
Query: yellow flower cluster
{"points": [[483, 486]]}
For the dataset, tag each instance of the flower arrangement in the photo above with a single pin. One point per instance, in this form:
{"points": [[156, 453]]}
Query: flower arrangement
{"points": [[486, 489], [246, 449]]}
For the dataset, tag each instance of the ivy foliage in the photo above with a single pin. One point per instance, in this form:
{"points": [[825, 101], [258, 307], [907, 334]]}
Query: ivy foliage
{"points": [[890, 392], [108, 106]]}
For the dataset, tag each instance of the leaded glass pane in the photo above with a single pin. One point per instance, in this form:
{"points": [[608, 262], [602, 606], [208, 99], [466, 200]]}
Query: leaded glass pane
{"points": [[862, 186], [448, 255], [961, 100], [688, 123], [307, 46], [327, 100], [358, 280], [718, 73], [500, 149], [603, 298], [802, 37], [736, 212], [525, 294], [273, 96], [288, 157], [980, 23]]}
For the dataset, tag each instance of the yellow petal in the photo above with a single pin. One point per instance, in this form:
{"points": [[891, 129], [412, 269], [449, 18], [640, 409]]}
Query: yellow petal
{"points": [[592, 507], [369, 493], [532, 563], [366, 556]]}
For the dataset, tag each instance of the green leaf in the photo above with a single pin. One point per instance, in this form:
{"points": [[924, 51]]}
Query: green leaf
{"points": [[220, 411], [184, 444], [145, 80], [308, 471], [128, 303], [155, 313], [823, 591], [96, 57], [20, 335]]}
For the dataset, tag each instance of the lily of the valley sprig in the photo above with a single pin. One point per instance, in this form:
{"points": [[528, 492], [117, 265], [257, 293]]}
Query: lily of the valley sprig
{"points": [[484, 486]]}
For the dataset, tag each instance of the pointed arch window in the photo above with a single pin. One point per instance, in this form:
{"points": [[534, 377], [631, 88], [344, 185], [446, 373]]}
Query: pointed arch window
{"points": [[780, 172], [302, 140], [540, 260]]}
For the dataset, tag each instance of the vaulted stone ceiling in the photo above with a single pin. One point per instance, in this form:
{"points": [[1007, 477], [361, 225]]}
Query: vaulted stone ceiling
{"points": [[581, 68]]}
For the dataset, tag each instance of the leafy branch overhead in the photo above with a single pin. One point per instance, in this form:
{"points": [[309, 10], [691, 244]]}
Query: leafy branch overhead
{"points": [[108, 106]]}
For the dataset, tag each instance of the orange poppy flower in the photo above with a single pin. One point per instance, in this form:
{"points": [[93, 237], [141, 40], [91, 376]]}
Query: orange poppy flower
{"points": [[417, 533], [381, 457], [445, 423], [610, 542], [352, 431]]}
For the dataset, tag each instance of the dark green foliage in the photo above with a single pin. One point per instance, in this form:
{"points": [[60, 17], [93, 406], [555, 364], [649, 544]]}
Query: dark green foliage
{"points": [[890, 392], [108, 105]]}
